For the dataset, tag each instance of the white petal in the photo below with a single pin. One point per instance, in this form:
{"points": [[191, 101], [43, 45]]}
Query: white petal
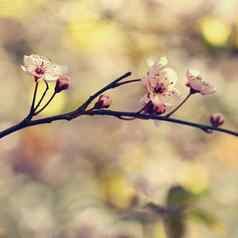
{"points": [[56, 70], [50, 78], [37, 60], [155, 99], [28, 61], [145, 99], [193, 73], [207, 89], [23, 68], [150, 62], [171, 75], [163, 61]]}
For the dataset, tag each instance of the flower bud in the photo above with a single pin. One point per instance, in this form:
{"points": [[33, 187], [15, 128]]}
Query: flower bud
{"points": [[104, 101], [62, 83], [149, 107], [216, 119], [155, 108], [197, 84], [160, 109]]}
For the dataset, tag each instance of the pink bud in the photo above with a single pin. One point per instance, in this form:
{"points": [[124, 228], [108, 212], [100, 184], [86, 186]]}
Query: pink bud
{"points": [[104, 101], [149, 107], [157, 109], [62, 83], [160, 109], [216, 119]]}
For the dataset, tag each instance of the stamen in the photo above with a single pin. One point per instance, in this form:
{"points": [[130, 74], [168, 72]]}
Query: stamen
{"points": [[160, 88]]}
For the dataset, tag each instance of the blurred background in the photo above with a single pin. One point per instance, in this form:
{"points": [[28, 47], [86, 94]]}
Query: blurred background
{"points": [[93, 176]]}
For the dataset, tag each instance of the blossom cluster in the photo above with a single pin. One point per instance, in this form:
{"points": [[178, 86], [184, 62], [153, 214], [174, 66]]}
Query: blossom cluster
{"points": [[161, 95], [41, 68], [160, 91]]}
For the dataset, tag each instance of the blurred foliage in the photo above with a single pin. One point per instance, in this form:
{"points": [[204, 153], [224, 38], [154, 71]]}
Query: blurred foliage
{"points": [[59, 101], [94, 176], [19, 8], [215, 31]]}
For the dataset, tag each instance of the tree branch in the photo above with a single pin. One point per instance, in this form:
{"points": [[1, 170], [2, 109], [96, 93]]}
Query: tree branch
{"points": [[180, 105], [45, 106], [123, 115], [111, 85], [30, 115], [43, 95], [118, 114]]}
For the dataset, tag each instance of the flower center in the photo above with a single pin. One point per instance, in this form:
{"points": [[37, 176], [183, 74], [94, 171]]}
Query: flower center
{"points": [[39, 70], [160, 88]]}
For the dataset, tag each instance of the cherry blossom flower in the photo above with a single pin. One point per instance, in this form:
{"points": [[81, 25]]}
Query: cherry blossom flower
{"points": [[42, 68], [216, 119], [159, 84], [62, 83], [104, 101], [197, 84], [154, 105]]}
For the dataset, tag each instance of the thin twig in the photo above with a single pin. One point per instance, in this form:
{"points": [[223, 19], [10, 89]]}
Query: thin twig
{"points": [[81, 111], [46, 105], [180, 105], [111, 85], [141, 116], [43, 95], [128, 81], [33, 99], [72, 115]]}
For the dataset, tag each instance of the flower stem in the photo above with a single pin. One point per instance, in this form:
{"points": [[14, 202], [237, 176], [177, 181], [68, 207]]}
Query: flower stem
{"points": [[113, 84], [33, 101], [179, 106], [117, 114], [42, 97], [128, 81], [124, 115], [49, 101]]}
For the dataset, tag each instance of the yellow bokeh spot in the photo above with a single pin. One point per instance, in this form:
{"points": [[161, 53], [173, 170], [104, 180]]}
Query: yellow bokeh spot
{"points": [[133, 159], [58, 103], [118, 191], [225, 149], [195, 178], [158, 231], [91, 34], [18, 8], [235, 36], [56, 106], [88, 31], [215, 31]]}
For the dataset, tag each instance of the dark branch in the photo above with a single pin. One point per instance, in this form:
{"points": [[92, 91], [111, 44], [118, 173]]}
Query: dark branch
{"points": [[72, 115], [43, 95], [30, 115], [45, 106], [128, 116], [180, 105], [111, 85]]}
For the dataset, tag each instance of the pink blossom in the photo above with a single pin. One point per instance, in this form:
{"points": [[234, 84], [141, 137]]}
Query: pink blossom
{"points": [[42, 68], [160, 108], [159, 84], [154, 105], [62, 83], [197, 84], [104, 101], [216, 119]]}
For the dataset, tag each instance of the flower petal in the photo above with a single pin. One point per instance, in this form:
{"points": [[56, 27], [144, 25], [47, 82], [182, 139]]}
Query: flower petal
{"points": [[197, 84]]}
